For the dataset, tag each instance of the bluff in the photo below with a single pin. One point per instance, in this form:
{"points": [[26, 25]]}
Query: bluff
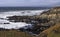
{"points": [[54, 16]]}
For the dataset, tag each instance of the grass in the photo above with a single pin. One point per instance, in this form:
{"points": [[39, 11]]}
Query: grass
{"points": [[52, 34], [12, 33], [51, 31], [55, 33]]}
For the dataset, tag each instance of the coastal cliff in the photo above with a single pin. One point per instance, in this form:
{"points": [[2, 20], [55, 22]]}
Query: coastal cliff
{"points": [[53, 15], [46, 24]]}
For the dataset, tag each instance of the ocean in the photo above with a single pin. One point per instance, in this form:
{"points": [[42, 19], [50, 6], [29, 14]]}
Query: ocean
{"points": [[18, 11], [3, 9]]}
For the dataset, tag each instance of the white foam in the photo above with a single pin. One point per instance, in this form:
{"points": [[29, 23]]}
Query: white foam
{"points": [[20, 13], [12, 25], [18, 24]]}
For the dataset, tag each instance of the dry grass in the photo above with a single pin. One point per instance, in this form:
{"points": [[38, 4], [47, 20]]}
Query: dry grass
{"points": [[50, 32], [13, 33]]}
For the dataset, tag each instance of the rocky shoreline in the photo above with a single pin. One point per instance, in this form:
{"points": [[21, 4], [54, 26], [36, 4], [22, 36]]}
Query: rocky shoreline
{"points": [[40, 22]]}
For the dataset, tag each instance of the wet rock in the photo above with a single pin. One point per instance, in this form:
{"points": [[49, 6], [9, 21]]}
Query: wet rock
{"points": [[6, 23], [37, 23]]}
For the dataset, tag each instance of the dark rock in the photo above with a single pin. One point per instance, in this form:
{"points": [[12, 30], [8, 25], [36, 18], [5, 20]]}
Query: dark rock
{"points": [[4, 23]]}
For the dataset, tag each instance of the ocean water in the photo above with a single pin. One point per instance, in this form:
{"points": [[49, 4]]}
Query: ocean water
{"points": [[18, 11], [11, 25], [6, 12]]}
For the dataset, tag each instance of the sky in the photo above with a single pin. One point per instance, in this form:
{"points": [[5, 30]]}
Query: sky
{"points": [[29, 3]]}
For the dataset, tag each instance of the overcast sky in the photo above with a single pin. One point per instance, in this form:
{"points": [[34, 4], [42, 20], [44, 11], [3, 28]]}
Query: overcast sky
{"points": [[29, 2]]}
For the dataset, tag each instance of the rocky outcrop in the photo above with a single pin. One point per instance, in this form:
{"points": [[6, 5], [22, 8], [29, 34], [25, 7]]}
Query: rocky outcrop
{"points": [[38, 23], [54, 16], [41, 22]]}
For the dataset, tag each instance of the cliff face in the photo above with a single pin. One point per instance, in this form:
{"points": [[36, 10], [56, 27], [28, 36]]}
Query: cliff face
{"points": [[53, 15]]}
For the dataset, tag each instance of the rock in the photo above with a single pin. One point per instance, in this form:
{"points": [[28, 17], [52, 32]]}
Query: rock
{"points": [[40, 22]]}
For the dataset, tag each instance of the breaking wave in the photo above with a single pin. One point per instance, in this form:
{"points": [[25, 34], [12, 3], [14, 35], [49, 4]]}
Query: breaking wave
{"points": [[4, 23]]}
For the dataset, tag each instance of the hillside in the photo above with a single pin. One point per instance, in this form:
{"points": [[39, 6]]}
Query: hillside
{"points": [[54, 16]]}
